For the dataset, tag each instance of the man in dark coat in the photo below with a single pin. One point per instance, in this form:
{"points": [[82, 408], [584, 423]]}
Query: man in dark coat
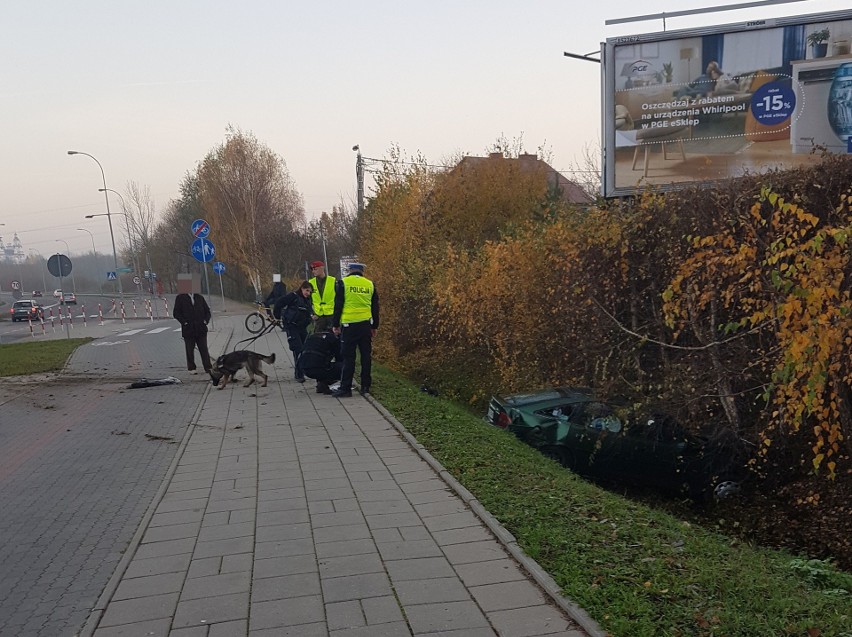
{"points": [[294, 310], [321, 360], [194, 314]]}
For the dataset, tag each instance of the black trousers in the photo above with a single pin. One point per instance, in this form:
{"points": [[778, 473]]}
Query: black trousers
{"points": [[325, 374], [199, 341], [356, 337], [296, 341]]}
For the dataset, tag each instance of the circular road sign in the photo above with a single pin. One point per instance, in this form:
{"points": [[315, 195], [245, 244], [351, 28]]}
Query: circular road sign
{"points": [[203, 250], [200, 229], [219, 267], [59, 265], [136, 280], [16, 285]]}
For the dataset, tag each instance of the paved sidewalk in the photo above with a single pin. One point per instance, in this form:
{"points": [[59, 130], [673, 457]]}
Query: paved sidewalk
{"points": [[289, 512]]}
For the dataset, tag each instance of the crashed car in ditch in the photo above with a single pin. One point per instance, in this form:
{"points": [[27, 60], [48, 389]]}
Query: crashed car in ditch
{"points": [[606, 440]]}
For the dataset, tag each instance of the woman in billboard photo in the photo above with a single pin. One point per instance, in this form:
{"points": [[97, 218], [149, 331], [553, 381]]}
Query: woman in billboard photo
{"points": [[704, 84]]}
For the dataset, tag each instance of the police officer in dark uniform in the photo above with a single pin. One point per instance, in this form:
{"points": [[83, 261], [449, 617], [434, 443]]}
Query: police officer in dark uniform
{"points": [[356, 319], [320, 360]]}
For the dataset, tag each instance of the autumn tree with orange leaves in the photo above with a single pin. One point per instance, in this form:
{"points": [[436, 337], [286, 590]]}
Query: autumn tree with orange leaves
{"points": [[727, 308]]}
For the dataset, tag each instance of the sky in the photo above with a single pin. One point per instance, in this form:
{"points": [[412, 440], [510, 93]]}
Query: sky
{"points": [[149, 88]]}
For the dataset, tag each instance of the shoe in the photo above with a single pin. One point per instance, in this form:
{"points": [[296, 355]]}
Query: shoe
{"points": [[193, 372], [300, 379], [342, 393], [323, 388], [364, 390]]}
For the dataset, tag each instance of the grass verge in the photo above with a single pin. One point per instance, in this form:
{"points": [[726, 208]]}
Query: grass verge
{"points": [[19, 359], [637, 571]]}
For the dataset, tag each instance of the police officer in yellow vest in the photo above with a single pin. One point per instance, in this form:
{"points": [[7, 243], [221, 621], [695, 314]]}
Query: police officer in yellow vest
{"points": [[322, 297], [356, 319]]}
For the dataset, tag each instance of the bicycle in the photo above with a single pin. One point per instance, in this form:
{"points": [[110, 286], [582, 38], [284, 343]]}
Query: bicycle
{"points": [[257, 320]]}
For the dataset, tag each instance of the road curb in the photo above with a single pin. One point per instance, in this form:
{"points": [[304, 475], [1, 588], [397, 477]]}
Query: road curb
{"points": [[536, 572]]}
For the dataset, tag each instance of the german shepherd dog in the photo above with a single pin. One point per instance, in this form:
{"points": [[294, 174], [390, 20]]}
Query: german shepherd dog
{"points": [[229, 364]]}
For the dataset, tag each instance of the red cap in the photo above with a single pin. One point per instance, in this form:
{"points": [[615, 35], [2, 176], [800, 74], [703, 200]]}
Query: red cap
{"points": [[317, 264]]}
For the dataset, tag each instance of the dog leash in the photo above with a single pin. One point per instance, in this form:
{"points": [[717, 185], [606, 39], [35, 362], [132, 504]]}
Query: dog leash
{"points": [[251, 339]]}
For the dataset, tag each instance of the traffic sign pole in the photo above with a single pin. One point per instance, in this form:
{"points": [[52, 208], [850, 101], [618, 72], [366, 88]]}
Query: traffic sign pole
{"points": [[222, 290], [219, 268], [207, 280], [203, 250]]}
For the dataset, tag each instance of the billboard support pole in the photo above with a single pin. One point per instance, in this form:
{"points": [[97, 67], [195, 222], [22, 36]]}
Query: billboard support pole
{"points": [[585, 57]]}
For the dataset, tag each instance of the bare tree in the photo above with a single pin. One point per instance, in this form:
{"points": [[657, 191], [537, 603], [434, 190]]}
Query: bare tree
{"points": [[586, 172], [249, 198], [141, 216]]}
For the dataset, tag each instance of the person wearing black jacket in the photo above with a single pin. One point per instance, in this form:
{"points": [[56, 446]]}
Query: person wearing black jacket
{"points": [[321, 361], [279, 290], [194, 314], [294, 311]]}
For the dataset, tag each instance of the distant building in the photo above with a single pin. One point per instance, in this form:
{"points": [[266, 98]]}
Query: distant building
{"points": [[12, 252], [571, 192]]}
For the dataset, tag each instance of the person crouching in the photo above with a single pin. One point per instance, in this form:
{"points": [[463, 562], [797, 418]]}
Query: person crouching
{"points": [[320, 360]]}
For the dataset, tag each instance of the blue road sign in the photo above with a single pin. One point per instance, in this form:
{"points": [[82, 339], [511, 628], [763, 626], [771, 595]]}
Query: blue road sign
{"points": [[111, 276], [203, 250], [219, 267], [200, 228]]}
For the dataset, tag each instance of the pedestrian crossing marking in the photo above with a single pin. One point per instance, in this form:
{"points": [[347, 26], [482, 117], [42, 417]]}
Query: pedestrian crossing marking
{"points": [[131, 332], [158, 330]]}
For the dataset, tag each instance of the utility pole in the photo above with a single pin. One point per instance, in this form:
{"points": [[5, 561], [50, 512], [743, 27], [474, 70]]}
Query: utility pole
{"points": [[322, 236], [359, 176]]}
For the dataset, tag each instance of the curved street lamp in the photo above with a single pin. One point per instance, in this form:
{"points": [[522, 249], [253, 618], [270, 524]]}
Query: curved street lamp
{"points": [[68, 254], [43, 281], [135, 263], [95, 253], [109, 217]]}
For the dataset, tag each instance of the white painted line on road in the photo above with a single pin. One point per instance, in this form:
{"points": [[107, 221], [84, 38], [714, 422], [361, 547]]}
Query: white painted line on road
{"points": [[108, 343], [158, 330], [178, 329], [131, 332]]}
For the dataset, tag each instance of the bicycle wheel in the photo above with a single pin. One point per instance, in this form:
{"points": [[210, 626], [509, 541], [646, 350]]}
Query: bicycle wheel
{"points": [[255, 322]]}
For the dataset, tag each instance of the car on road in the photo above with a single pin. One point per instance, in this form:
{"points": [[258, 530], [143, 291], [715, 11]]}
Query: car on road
{"points": [[69, 298], [27, 310], [37, 293], [606, 440]]}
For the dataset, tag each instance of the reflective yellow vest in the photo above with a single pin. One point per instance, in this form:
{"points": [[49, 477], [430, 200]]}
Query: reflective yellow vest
{"points": [[357, 299], [323, 305]]}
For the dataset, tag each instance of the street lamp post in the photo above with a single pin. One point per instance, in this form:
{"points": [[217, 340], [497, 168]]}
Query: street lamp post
{"points": [[322, 236], [43, 281], [135, 263], [359, 177], [95, 253], [68, 254], [109, 218]]}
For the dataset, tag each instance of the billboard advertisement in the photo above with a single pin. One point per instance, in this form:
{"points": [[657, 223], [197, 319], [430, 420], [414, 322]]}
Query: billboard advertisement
{"points": [[707, 104]]}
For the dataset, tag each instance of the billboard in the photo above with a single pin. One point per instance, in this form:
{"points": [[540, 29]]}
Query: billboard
{"points": [[706, 104]]}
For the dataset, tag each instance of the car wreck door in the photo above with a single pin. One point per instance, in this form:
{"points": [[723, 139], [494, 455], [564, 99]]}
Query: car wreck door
{"points": [[603, 441]]}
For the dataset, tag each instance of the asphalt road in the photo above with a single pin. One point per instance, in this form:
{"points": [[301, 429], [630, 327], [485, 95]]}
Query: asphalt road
{"points": [[81, 458], [19, 331]]}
